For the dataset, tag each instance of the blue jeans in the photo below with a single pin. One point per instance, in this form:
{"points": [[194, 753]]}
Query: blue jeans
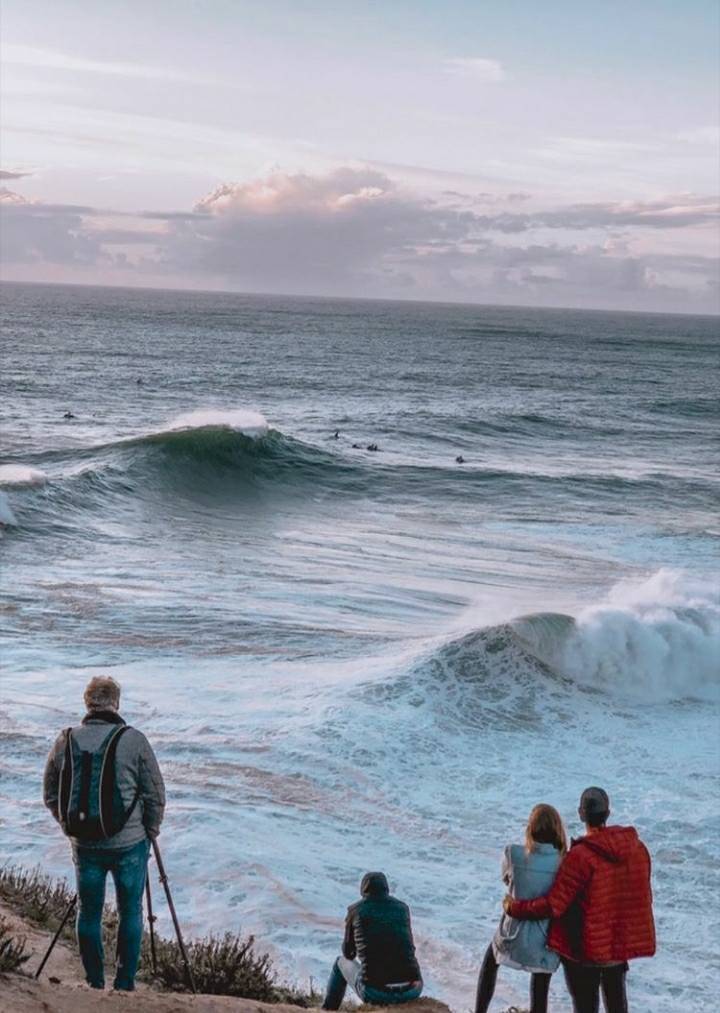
{"points": [[348, 972], [128, 868]]}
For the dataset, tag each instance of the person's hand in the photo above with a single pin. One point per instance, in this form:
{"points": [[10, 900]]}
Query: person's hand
{"points": [[507, 903]]}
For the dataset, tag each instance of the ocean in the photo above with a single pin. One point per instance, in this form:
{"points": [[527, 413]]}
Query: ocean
{"points": [[351, 659]]}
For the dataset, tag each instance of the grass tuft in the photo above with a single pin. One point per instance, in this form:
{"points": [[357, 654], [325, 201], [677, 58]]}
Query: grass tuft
{"points": [[12, 949]]}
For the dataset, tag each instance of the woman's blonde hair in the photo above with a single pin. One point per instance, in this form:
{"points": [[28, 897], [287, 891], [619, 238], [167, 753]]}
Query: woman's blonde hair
{"points": [[545, 826]]}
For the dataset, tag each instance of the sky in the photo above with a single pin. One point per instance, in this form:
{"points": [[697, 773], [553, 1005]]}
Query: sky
{"points": [[490, 151]]}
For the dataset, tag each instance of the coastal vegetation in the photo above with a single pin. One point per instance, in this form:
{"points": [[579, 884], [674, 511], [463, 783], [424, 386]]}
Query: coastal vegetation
{"points": [[229, 964], [12, 949]]}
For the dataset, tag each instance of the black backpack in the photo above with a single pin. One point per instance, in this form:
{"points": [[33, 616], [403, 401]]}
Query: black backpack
{"points": [[89, 801]]}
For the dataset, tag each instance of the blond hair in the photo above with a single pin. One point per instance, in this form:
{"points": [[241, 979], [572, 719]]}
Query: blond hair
{"points": [[102, 693]]}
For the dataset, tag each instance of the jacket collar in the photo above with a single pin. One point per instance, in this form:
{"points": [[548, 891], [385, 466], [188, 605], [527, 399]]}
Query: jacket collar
{"points": [[111, 717]]}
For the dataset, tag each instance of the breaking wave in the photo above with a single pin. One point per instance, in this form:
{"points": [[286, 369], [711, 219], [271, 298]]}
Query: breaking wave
{"points": [[652, 642], [20, 475], [206, 453], [656, 640]]}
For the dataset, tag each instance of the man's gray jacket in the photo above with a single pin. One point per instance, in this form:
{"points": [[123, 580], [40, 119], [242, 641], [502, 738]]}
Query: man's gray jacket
{"points": [[137, 773]]}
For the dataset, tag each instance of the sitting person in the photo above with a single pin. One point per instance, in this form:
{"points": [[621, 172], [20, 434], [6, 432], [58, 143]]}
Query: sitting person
{"points": [[378, 933], [601, 908], [529, 871]]}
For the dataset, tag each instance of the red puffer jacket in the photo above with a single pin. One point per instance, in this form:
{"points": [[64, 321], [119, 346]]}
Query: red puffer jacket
{"points": [[601, 900]]}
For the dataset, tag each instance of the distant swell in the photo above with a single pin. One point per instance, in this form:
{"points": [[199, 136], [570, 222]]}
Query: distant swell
{"points": [[234, 455], [213, 456]]}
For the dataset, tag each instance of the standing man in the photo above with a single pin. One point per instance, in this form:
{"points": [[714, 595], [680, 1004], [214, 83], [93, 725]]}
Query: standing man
{"points": [[378, 933], [601, 908], [104, 787]]}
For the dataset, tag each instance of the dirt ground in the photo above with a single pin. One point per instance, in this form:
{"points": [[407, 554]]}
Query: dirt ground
{"points": [[61, 989]]}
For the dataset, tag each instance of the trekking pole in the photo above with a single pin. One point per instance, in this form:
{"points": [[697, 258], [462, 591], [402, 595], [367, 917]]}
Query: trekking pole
{"points": [[51, 947], [151, 922], [173, 914]]}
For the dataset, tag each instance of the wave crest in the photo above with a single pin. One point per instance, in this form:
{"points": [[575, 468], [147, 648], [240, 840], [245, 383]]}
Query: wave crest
{"points": [[19, 475], [249, 423], [652, 643]]}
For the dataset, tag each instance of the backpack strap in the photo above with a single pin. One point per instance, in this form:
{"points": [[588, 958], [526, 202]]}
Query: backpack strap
{"points": [[86, 765], [108, 783], [66, 776]]}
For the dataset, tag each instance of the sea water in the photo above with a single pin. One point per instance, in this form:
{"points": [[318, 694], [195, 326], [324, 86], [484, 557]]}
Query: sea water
{"points": [[350, 659]]}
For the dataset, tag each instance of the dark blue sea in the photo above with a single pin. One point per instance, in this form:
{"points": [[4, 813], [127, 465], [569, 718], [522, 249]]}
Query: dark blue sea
{"points": [[351, 658]]}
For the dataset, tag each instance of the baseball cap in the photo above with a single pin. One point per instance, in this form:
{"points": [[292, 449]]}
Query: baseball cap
{"points": [[594, 802]]}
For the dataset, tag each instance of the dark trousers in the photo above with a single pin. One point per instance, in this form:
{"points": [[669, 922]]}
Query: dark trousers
{"points": [[585, 982], [539, 986]]}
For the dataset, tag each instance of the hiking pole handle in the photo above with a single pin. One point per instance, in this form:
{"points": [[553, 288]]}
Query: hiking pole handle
{"points": [[173, 914], [51, 947]]}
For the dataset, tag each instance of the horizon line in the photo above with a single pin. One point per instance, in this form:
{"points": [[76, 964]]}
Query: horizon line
{"points": [[357, 298]]}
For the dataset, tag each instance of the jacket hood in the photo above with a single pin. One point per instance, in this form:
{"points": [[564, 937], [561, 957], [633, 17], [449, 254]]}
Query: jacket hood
{"points": [[374, 884], [615, 844]]}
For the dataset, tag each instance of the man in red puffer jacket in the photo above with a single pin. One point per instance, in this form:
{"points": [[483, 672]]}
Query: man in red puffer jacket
{"points": [[601, 908]]}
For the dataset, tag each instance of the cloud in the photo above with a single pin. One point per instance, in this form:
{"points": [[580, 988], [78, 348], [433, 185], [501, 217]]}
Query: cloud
{"points": [[343, 228], [670, 213], [673, 212], [487, 198], [35, 233], [708, 135], [10, 174], [8, 197], [357, 232], [51, 59], [475, 68]]}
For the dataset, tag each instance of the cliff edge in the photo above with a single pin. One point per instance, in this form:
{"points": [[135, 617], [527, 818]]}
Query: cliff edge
{"points": [[61, 989]]}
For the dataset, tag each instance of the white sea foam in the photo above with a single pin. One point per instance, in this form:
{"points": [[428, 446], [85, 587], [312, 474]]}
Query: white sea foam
{"points": [[6, 514], [657, 640], [249, 423], [21, 474]]}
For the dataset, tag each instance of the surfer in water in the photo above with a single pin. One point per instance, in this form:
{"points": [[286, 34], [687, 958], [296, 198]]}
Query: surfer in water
{"points": [[459, 459], [68, 415], [372, 446]]}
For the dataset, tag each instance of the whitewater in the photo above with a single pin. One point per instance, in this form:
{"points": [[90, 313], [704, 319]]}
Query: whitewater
{"points": [[350, 659]]}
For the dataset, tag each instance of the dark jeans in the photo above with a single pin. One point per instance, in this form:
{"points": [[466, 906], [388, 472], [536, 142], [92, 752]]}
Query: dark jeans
{"points": [[128, 868], [348, 972], [585, 982], [539, 986]]}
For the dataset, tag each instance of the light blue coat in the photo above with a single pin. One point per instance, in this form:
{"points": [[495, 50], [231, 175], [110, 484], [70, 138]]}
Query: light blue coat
{"points": [[522, 944]]}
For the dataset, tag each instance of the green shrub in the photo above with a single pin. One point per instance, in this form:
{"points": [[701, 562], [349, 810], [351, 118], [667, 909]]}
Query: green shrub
{"points": [[36, 897], [221, 965], [12, 949], [44, 902]]}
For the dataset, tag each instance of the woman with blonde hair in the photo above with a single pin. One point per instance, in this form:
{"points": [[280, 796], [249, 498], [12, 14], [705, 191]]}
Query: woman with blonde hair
{"points": [[528, 870]]}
